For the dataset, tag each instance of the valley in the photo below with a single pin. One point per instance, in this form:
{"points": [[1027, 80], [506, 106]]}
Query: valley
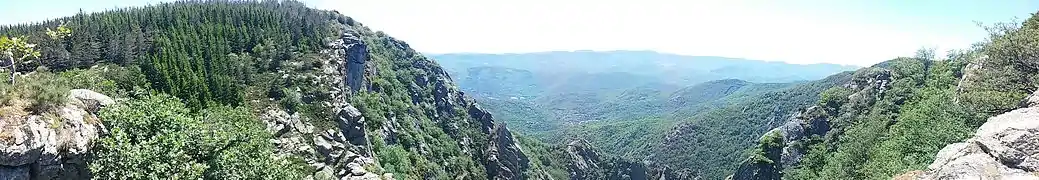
{"points": [[214, 89], [636, 84]]}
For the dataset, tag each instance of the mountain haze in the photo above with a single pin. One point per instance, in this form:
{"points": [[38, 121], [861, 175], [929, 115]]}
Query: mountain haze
{"points": [[668, 68], [251, 90], [542, 91], [228, 89]]}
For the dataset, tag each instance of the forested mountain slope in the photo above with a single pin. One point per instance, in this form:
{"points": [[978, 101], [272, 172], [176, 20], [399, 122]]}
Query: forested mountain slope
{"points": [[709, 144], [538, 93], [252, 90], [277, 90], [628, 103], [894, 117], [667, 68], [873, 123], [700, 131]]}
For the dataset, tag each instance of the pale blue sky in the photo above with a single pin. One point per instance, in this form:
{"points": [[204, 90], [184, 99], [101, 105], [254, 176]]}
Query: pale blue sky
{"points": [[797, 31]]}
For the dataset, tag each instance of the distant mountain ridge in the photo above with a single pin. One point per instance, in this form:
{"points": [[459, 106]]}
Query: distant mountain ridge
{"points": [[671, 68], [544, 90]]}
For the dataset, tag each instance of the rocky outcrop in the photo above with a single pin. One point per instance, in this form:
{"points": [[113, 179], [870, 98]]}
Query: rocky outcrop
{"points": [[52, 144], [866, 87], [1005, 147], [330, 152], [353, 53], [350, 68], [338, 148], [91, 100], [504, 159], [351, 124], [499, 154], [763, 165], [798, 130], [584, 162]]}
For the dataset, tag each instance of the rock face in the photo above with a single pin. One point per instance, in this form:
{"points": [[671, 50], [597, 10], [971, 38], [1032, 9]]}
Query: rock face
{"points": [[505, 160], [866, 86], [342, 149], [584, 162], [354, 54], [331, 153], [51, 146], [338, 150], [800, 127], [761, 170], [1005, 147], [500, 154]]}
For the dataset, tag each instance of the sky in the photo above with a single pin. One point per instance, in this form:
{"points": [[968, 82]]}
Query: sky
{"points": [[795, 31]]}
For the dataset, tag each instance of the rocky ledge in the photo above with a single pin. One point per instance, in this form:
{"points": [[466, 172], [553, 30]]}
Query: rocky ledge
{"points": [[50, 146], [1005, 147]]}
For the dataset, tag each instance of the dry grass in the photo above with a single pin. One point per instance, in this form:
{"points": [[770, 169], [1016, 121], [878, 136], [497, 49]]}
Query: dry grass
{"points": [[7, 135], [91, 119], [54, 120], [11, 117], [12, 112], [911, 175]]}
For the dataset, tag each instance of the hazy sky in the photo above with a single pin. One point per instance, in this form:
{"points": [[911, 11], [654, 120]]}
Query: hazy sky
{"points": [[797, 31]]}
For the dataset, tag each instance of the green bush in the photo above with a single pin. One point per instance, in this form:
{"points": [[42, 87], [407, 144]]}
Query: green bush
{"points": [[901, 131], [42, 90], [48, 95], [292, 100], [833, 98], [158, 136], [38, 92]]}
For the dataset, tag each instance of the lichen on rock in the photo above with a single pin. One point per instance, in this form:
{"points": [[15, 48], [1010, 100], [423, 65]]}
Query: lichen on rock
{"points": [[52, 144]]}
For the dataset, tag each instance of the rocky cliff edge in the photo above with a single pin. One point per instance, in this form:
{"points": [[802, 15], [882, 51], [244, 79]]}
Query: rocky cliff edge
{"points": [[1005, 147]]}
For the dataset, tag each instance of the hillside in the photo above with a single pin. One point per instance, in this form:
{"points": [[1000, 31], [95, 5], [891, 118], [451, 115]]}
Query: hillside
{"points": [[588, 86], [896, 116], [667, 68], [698, 131], [712, 142], [873, 123], [246, 90], [215, 89]]}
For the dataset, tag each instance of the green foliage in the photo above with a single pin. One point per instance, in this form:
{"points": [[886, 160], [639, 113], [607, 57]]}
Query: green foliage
{"points": [[111, 80], [61, 32], [713, 143], [218, 143], [209, 56], [631, 139], [183, 47], [292, 99], [546, 162], [833, 98], [427, 132], [239, 147], [898, 132], [769, 142], [930, 103], [44, 90], [144, 130], [1004, 70], [15, 50], [395, 159], [763, 162]]}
